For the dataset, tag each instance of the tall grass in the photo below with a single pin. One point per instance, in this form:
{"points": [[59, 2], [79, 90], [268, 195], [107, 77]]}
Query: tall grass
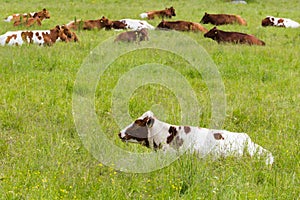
{"points": [[42, 156]]}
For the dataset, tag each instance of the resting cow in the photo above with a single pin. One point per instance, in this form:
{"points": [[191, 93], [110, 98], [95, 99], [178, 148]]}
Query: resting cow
{"points": [[136, 24], [279, 22], [88, 24], [43, 14], [40, 37], [155, 134], [233, 37], [132, 36], [221, 19], [181, 26], [29, 22], [166, 13]]}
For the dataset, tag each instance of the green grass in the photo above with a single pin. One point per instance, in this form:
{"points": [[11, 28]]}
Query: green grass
{"points": [[42, 156]]}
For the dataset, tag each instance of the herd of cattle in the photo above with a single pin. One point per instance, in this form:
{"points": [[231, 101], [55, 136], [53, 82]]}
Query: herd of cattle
{"points": [[138, 28]]}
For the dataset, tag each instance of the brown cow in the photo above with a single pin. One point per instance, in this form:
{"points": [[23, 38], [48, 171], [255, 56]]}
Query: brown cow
{"points": [[89, 24], [233, 37], [29, 22], [132, 36], [181, 26], [167, 12], [43, 14], [221, 19]]}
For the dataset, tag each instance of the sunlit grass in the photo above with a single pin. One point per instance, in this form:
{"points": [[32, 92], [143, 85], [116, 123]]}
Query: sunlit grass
{"points": [[42, 156]]}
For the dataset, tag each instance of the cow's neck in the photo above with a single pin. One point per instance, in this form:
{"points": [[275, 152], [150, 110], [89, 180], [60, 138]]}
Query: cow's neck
{"points": [[158, 134]]}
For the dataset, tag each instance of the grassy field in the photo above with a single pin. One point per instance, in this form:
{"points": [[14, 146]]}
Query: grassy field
{"points": [[43, 157]]}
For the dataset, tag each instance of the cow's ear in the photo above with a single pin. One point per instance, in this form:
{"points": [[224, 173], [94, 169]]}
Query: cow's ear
{"points": [[150, 122]]}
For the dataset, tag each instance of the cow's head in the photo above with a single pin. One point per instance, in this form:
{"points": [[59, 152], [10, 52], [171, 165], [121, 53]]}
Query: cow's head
{"points": [[268, 21], [137, 132], [105, 22], [205, 19], [172, 11], [42, 14], [162, 24], [212, 33]]}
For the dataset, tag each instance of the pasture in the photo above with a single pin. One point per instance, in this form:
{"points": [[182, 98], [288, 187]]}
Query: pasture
{"points": [[43, 157]]}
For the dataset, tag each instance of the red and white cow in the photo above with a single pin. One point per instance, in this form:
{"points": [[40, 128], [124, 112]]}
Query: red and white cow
{"points": [[40, 37], [279, 22], [153, 133], [43, 14]]}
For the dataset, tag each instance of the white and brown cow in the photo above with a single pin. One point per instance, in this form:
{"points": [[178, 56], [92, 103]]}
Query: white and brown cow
{"points": [[43, 14], [153, 133], [279, 22], [40, 37]]}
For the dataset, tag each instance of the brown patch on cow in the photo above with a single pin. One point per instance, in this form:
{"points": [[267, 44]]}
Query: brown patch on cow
{"points": [[27, 35], [39, 37], [280, 21], [173, 132], [37, 34], [218, 136], [14, 36], [187, 129]]}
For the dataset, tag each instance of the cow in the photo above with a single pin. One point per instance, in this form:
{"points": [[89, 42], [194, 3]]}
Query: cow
{"points": [[158, 135], [221, 19], [29, 22], [40, 37], [43, 14], [279, 22], [135, 24], [89, 24], [133, 36], [233, 37], [181, 26], [166, 13]]}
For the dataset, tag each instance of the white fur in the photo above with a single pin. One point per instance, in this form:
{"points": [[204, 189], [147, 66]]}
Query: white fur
{"points": [[136, 24], [202, 140], [143, 15], [288, 23]]}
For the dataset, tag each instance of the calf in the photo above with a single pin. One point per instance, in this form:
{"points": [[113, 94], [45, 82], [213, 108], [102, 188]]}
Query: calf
{"points": [[279, 22], [40, 37], [153, 133], [181, 26], [132, 36], [166, 13], [43, 14], [221, 19], [233, 37]]}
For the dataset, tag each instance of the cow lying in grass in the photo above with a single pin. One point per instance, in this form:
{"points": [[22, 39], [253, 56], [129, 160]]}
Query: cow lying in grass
{"points": [[233, 37], [155, 134], [88, 24], [29, 22], [221, 19], [166, 13], [136, 24], [279, 22], [181, 26], [133, 36], [43, 14], [40, 37]]}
